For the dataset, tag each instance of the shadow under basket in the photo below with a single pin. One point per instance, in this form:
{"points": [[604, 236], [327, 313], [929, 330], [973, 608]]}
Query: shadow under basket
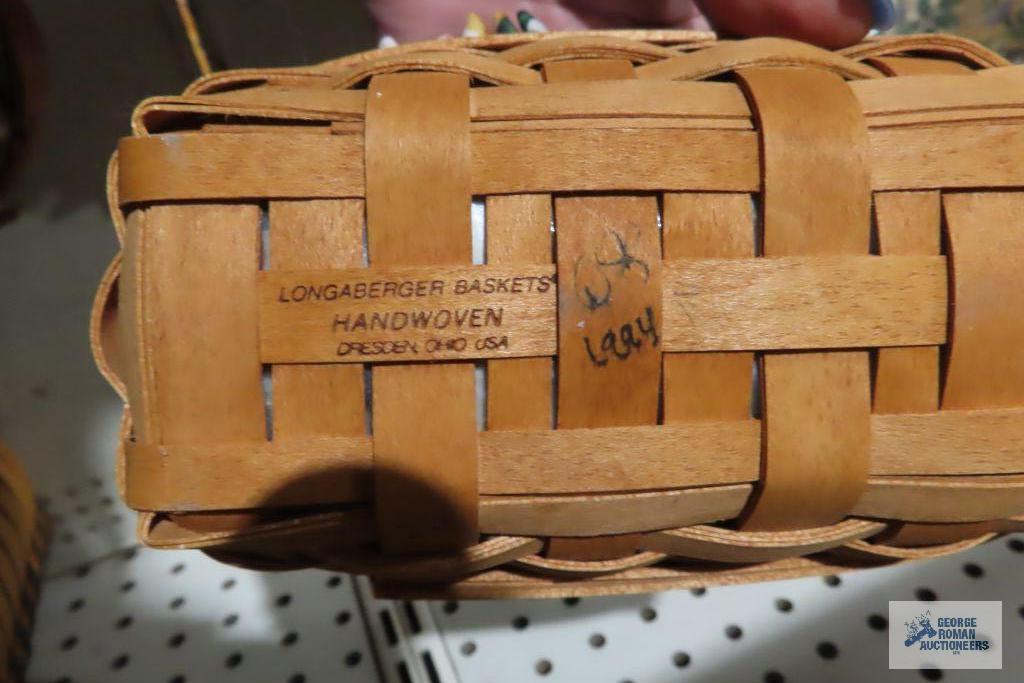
{"points": [[575, 313]]}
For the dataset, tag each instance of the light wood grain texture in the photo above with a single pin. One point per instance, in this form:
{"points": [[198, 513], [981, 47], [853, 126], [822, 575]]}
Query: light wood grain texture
{"points": [[729, 56], [907, 379], [397, 314], [816, 446], [609, 311], [564, 461], [923, 534], [943, 499], [803, 302], [986, 243], [609, 254], [602, 515], [619, 458], [709, 304], [706, 386], [130, 326], [417, 212], [313, 400], [606, 56], [915, 66], [192, 254], [884, 102], [960, 154], [715, 544], [519, 391], [297, 470]]}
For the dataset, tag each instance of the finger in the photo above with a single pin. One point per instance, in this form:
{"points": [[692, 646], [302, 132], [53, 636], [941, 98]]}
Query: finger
{"points": [[828, 23], [409, 20]]}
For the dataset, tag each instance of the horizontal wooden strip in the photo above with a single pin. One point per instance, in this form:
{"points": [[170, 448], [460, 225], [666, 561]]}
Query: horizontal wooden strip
{"points": [[603, 461], [804, 303], [444, 312], [620, 458], [265, 165], [949, 442], [943, 499], [243, 475], [716, 544], [882, 100], [401, 314], [602, 514]]}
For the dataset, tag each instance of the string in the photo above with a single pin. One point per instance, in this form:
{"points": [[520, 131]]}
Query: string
{"points": [[195, 41]]}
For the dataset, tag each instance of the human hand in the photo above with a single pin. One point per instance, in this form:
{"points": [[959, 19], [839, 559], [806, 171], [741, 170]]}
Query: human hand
{"points": [[828, 23]]}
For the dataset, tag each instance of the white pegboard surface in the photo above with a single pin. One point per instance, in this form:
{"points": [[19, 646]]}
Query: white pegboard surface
{"points": [[177, 616], [804, 630]]}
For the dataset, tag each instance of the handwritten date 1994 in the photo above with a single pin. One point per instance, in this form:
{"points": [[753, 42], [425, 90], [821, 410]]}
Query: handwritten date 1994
{"points": [[623, 342]]}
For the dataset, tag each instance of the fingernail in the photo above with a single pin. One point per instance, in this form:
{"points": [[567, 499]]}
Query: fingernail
{"points": [[883, 13], [474, 26], [530, 23], [505, 25]]}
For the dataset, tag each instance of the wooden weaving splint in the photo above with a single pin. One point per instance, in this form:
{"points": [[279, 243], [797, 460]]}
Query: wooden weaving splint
{"points": [[24, 531], [747, 310]]}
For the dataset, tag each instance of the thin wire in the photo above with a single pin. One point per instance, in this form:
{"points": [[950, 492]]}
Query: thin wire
{"points": [[195, 41]]}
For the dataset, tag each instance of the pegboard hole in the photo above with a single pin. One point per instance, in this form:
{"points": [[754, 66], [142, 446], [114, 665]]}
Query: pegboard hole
{"points": [[833, 581], [178, 568], [774, 677], [973, 570], [597, 641], [450, 607], [297, 678], [1016, 545], [681, 660], [931, 674], [283, 600], [76, 604], [877, 622], [468, 648], [177, 679], [353, 658], [699, 591], [570, 602], [230, 620], [648, 614], [784, 605], [543, 667], [233, 660], [342, 617], [176, 640], [926, 595], [827, 650], [227, 585], [334, 581], [120, 662], [290, 639], [68, 643], [520, 623], [123, 623], [127, 586], [733, 632], [177, 603]]}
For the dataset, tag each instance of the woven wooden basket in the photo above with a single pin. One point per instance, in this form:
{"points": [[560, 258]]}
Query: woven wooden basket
{"points": [[23, 535], [746, 310]]}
